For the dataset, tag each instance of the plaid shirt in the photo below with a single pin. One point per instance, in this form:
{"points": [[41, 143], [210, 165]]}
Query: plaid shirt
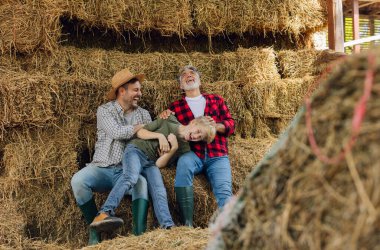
{"points": [[217, 109], [114, 132]]}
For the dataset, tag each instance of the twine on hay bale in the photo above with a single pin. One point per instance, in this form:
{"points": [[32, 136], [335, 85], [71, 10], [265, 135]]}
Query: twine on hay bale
{"points": [[300, 63], [175, 238], [293, 197], [26, 27], [256, 64], [26, 99]]}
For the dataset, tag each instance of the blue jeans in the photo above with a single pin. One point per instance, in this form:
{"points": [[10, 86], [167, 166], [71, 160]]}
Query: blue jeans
{"points": [[135, 162], [98, 179], [217, 170]]}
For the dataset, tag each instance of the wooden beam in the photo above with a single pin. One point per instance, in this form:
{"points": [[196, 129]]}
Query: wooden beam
{"points": [[335, 25], [372, 28], [362, 40], [355, 24]]}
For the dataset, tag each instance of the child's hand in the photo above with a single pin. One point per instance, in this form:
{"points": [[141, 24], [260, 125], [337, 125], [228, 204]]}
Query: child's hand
{"points": [[164, 144], [173, 141]]}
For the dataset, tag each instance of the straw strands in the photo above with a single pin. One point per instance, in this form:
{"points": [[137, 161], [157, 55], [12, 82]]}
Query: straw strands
{"points": [[26, 99], [11, 224], [300, 63], [26, 27], [215, 17], [295, 200], [175, 238]]}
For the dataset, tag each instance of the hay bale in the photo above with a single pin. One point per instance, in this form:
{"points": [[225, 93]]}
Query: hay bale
{"points": [[255, 63], [276, 99], [300, 63], [168, 17], [26, 99], [244, 154], [293, 199], [219, 17], [48, 155], [26, 27], [79, 97], [12, 224], [176, 238]]}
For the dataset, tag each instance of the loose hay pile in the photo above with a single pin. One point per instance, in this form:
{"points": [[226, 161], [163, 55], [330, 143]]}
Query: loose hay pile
{"points": [[175, 238], [294, 200]]}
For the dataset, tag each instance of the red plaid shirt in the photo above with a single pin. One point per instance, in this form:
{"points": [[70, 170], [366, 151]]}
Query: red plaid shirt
{"points": [[217, 109]]}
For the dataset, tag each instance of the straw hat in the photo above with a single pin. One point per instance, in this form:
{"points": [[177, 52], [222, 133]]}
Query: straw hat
{"points": [[119, 79]]}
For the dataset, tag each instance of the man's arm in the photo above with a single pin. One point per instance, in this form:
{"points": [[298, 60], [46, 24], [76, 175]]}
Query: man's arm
{"points": [[226, 126], [163, 160], [149, 135]]}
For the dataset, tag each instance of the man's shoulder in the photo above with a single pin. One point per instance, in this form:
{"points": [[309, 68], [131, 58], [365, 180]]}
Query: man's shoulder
{"points": [[107, 106]]}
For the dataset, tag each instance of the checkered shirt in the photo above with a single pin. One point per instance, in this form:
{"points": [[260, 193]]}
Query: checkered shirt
{"points": [[217, 109], [113, 132]]}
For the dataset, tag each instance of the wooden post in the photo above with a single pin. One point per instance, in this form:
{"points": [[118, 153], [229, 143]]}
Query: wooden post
{"points": [[355, 24], [372, 28], [335, 25]]}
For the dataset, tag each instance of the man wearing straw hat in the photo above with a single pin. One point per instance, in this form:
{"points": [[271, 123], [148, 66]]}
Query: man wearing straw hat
{"points": [[117, 122], [211, 159]]}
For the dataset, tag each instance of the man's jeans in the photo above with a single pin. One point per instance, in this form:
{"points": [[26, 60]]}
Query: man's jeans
{"points": [[135, 162], [97, 179], [217, 170]]}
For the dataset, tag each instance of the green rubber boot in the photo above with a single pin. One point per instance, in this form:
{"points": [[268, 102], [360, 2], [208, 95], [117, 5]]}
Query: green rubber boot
{"points": [[89, 211], [185, 201], [139, 216]]}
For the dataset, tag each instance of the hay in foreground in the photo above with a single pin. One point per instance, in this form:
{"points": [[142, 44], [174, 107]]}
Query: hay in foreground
{"points": [[175, 238], [301, 198]]}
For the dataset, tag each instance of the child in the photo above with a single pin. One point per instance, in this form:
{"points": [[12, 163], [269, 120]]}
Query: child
{"points": [[141, 154]]}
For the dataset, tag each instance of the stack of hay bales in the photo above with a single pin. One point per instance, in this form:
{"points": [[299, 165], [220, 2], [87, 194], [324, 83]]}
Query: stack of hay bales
{"points": [[302, 198], [30, 25], [49, 94]]}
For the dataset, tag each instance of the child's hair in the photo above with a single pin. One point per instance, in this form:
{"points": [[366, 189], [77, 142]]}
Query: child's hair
{"points": [[204, 123]]}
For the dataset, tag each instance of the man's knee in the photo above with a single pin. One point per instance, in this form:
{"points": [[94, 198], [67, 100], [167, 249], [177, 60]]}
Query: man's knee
{"points": [[140, 189]]}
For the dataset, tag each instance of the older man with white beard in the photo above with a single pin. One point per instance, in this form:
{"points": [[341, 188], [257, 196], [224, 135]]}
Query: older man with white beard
{"points": [[210, 159]]}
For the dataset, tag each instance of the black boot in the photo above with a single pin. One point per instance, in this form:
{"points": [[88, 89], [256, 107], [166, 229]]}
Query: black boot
{"points": [[185, 201], [89, 211], [139, 214]]}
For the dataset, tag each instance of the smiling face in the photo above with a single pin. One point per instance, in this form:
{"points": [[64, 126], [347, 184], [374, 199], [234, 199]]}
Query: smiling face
{"points": [[130, 94], [189, 79], [199, 129]]}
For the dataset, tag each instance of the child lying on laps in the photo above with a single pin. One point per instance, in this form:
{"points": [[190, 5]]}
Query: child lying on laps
{"points": [[141, 156]]}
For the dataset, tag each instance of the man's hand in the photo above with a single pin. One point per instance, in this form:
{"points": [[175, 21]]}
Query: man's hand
{"points": [[173, 142], [165, 114], [211, 120], [137, 127], [218, 126], [164, 144]]}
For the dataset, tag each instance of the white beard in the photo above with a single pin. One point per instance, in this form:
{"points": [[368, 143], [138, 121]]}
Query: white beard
{"points": [[192, 86]]}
